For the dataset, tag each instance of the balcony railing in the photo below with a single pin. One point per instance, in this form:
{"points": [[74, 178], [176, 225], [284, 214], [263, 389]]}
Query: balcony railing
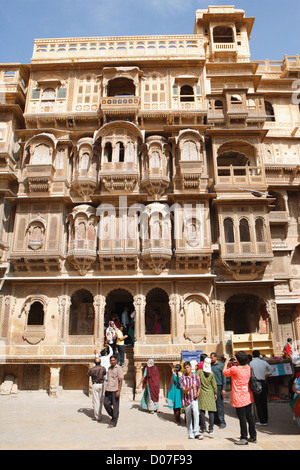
{"points": [[114, 103], [71, 49], [224, 47], [246, 250], [121, 167], [117, 246], [237, 175]]}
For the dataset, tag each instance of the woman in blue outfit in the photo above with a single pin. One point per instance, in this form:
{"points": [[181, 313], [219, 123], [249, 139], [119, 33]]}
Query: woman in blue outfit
{"points": [[175, 394]]}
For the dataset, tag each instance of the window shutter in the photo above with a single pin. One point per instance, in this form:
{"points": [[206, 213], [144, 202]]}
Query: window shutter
{"points": [[35, 94], [61, 93]]}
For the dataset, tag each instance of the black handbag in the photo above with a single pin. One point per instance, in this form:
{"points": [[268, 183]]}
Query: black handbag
{"points": [[255, 384]]}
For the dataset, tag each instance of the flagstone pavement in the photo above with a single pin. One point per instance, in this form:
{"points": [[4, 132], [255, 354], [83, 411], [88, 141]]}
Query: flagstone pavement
{"points": [[34, 421]]}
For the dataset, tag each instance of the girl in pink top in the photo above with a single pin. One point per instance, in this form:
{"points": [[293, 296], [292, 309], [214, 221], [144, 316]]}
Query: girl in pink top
{"points": [[241, 396]]}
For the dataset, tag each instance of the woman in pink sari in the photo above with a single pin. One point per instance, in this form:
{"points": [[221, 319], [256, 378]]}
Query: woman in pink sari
{"points": [[241, 396]]}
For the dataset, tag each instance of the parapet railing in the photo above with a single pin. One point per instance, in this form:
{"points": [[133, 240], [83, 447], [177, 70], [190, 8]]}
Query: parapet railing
{"points": [[114, 47]]}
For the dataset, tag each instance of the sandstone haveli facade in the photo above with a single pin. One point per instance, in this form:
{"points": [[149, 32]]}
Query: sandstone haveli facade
{"points": [[154, 172]]}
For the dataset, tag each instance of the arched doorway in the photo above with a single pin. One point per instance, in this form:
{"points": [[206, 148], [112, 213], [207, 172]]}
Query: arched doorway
{"points": [[246, 313], [116, 302], [82, 313], [157, 312]]}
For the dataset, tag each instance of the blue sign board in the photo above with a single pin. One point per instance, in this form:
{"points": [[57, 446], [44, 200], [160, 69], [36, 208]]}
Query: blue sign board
{"points": [[191, 356]]}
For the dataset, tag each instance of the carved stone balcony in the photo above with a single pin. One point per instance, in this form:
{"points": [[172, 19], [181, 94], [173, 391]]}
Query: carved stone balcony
{"points": [[228, 177], [85, 182], [156, 253], [34, 334], [120, 105], [82, 254], [118, 254], [221, 48], [191, 255], [278, 217], [156, 181], [246, 260], [119, 176], [190, 176], [38, 178]]}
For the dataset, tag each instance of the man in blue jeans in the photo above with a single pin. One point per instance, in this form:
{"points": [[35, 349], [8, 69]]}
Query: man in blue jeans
{"points": [[217, 369], [190, 384]]}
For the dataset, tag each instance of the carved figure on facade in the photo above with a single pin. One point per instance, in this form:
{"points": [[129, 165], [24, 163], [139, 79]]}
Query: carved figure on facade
{"points": [[35, 233]]}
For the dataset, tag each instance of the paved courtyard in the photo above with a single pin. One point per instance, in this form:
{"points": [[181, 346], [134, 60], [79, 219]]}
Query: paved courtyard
{"points": [[34, 421]]}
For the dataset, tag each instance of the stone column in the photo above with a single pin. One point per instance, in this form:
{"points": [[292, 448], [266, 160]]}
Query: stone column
{"points": [[139, 303], [220, 324], [138, 377], [271, 308], [99, 306], [297, 322], [175, 306], [64, 304], [54, 381]]}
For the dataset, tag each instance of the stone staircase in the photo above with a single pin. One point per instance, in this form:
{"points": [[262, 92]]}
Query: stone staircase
{"points": [[129, 374]]}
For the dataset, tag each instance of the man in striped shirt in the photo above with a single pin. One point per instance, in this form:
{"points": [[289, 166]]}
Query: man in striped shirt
{"points": [[190, 384]]}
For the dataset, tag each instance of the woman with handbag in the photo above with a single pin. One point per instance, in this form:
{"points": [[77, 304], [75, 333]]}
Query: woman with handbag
{"points": [[241, 396]]}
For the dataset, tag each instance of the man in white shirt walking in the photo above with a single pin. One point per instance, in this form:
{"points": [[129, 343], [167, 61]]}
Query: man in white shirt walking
{"points": [[261, 370]]}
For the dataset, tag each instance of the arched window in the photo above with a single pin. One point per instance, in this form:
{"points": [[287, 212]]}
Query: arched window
{"points": [[244, 230], [108, 152], [269, 112], [218, 104], [36, 314], [186, 93], [223, 34], [260, 230], [157, 312], [41, 155], [48, 95], [121, 87], [228, 230], [82, 313], [236, 99], [120, 151], [189, 151]]}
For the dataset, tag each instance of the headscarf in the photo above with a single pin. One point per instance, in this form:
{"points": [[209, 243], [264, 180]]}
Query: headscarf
{"points": [[153, 380]]}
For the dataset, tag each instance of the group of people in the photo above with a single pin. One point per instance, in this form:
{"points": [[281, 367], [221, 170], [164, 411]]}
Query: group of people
{"points": [[201, 391], [117, 333], [107, 378], [194, 391], [197, 392]]}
